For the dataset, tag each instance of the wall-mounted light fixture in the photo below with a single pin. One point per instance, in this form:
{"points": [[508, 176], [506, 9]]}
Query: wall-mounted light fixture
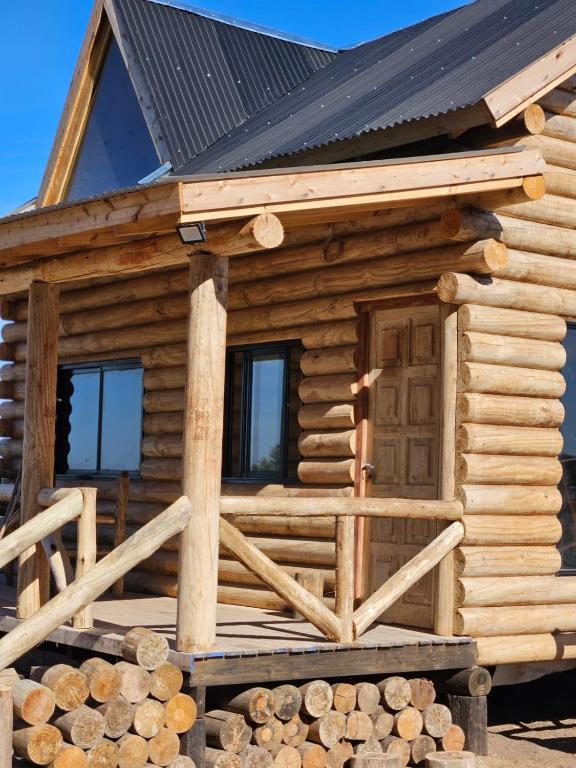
{"points": [[192, 234]]}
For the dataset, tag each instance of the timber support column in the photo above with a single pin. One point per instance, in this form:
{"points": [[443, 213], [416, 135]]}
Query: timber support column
{"points": [[467, 694], [39, 436], [202, 452]]}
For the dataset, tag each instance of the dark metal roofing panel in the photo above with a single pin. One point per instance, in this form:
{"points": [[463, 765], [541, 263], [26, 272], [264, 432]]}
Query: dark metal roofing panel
{"points": [[203, 76], [440, 65]]}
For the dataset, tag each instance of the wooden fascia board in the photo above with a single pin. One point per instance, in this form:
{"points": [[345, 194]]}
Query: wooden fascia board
{"points": [[373, 184], [531, 83], [76, 108], [138, 83]]}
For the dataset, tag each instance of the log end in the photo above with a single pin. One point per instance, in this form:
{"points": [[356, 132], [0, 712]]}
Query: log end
{"points": [[496, 253], [267, 230], [447, 287], [534, 187], [534, 119], [451, 223]]}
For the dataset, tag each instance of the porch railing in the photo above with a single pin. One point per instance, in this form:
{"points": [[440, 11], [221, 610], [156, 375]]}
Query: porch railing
{"points": [[74, 600], [346, 623]]}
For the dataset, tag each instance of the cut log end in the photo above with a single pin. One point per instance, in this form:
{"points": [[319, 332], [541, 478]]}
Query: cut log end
{"points": [[146, 648], [447, 287]]}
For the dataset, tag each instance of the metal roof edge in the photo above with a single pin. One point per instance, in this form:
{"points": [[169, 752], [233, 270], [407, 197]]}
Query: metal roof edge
{"points": [[249, 26]]}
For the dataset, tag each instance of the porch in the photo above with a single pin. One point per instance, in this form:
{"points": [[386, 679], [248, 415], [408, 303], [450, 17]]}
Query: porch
{"points": [[256, 645]]}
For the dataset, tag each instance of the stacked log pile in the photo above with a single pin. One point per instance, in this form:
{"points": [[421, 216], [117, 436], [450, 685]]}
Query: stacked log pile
{"points": [[318, 725], [105, 715]]}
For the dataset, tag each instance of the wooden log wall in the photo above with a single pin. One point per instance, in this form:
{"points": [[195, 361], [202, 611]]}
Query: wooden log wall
{"points": [[305, 292], [508, 593]]}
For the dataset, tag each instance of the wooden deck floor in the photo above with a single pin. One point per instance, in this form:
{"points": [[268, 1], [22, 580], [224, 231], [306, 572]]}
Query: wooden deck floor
{"points": [[258, 644]]}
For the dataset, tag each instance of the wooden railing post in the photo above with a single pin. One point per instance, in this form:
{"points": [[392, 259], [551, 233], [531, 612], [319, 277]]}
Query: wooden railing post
{"points": [[86, 551], [345, 569], [202, 452], [39, 436]]}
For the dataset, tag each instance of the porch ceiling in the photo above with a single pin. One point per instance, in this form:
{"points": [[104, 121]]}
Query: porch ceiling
{"points": [[299, 197]]}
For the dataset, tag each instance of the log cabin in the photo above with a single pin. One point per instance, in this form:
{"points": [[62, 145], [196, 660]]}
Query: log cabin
{"points": [[300, 324]]}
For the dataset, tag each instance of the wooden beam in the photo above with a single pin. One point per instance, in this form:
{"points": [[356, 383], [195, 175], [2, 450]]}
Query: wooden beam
{"points": [[345, 569], [86, 551], [535, 80], [330, 186], [39, 436], [202, 453], [341, 507]]}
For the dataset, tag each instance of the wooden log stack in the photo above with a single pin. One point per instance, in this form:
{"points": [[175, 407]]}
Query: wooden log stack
{"points": [[103, 715], [319, 725]]}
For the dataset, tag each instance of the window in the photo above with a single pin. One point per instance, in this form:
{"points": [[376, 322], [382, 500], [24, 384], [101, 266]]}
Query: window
{"points": [[99, 418], [567, 545], [261, 440], [116, 150]]}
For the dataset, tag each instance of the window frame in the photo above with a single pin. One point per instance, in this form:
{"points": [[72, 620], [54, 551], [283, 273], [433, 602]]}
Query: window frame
{"points": [[102, 367], [249, 352], [565, 571]]}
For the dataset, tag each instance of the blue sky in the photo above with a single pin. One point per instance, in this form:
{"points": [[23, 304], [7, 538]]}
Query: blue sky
{"points": [[41, 40]]}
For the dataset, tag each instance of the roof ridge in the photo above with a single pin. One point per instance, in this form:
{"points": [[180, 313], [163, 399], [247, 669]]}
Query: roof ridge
{"points": [[249, 26]]}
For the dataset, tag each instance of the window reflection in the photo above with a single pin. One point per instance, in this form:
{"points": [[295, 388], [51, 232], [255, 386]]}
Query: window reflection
{"points": [[99, 418], [567, 545], [268, 374]]}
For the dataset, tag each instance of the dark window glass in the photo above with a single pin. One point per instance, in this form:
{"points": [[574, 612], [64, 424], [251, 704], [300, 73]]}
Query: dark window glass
{"points": [[99, 419], [116, 150], [262, 406], [567, 545]]}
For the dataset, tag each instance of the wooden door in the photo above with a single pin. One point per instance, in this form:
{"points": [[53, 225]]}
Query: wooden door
{"points": [[403, 445]]}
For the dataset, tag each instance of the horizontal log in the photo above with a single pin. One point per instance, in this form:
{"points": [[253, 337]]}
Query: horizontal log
{"points": [[519, 441], [502, 470], [479, 258], [333, 335], [560, 102], [511, 322], [561, 182], [484, 378], [363, 507], [162, 445], [323, 362], [326, 471], [509, 350], [513, 411], [515, 620], [539, 268], [516, 649], [328, 389], [554, 150], [281, 525], [170, 423], [13, 372], [164, 401], [507, 561], [327, 444], [11, 448], [481, 530], [534, 237], [528, 590], [165, 378], [326, 416], [11, 409], [462, 289], [510, 500], [550, 209]]}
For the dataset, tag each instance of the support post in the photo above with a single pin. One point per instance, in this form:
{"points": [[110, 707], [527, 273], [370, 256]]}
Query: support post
{"points": [[444, 604], [345, 568], [86, 551], [471, 714], [202, 452], [39, 437]]}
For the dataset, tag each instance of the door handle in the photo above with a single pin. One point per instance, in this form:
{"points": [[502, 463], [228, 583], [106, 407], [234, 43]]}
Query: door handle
{"points": [[368, 470]]}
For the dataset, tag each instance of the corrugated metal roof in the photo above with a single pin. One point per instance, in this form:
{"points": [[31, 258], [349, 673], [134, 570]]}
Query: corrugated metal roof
{"points": [[204, 75], [435, 67]]}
